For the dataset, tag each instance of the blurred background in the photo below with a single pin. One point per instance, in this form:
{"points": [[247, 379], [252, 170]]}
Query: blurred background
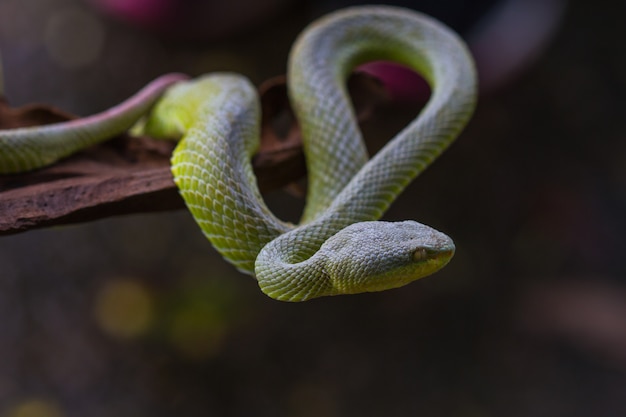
{"points": [[138, 316]]}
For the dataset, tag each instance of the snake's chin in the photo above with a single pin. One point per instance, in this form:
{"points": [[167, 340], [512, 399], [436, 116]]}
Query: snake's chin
{"points": [[377, 255]]}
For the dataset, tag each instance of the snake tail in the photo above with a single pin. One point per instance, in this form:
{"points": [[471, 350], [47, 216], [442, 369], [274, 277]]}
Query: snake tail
{"points": [[30, 148]]}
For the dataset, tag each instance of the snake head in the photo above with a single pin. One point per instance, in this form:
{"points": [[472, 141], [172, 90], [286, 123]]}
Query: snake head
{"points": [[376, 256]]}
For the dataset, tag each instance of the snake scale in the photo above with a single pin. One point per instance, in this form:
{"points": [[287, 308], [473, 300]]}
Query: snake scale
{"points": [[339, 247]]}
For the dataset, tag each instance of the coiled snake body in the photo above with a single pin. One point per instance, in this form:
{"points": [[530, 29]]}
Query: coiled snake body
{"points": [[338, 248]]}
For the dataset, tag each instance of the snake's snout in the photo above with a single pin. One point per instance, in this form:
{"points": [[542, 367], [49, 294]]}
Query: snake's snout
{"points": [[431, 244]]}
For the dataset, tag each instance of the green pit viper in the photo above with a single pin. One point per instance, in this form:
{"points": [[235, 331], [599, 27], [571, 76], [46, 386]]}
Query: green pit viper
{"points": [[339, 247]]}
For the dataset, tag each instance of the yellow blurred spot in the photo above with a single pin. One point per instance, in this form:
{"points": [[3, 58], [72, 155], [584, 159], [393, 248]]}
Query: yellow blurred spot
{"points": [[74, 38], [35, 408], [197, 331], [124, 309]]}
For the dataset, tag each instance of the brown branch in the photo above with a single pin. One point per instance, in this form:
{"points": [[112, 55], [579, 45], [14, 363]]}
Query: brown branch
{"points": [[132, 175]]}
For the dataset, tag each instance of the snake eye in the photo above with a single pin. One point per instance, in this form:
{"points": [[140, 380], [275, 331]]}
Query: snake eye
{"points": [[420, 254]]}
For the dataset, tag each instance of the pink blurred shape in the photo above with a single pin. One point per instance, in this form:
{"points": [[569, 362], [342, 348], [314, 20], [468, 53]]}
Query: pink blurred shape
{"points": [[403, 84], [140, 12]]}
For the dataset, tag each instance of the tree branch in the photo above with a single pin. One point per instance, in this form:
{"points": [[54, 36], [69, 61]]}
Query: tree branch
{"points": [[132, 175]]}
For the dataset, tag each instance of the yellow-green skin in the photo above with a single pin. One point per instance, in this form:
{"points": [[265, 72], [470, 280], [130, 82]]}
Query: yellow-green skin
{"points": [[338, 248]]}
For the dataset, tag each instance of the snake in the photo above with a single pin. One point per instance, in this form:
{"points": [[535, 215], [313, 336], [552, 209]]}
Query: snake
{"points": [[339, 245]]}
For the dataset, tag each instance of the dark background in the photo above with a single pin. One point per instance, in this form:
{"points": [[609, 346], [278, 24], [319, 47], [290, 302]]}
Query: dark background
{"points": [[138, 316]]}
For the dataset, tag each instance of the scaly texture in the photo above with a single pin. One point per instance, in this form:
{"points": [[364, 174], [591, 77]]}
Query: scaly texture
{"points": [[338, 248], [29, 148]]}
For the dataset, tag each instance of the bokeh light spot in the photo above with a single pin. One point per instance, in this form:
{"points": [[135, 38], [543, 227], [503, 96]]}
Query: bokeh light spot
{"points": [[74, 38], [197, 331], [35, 408], [124, 309]]}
